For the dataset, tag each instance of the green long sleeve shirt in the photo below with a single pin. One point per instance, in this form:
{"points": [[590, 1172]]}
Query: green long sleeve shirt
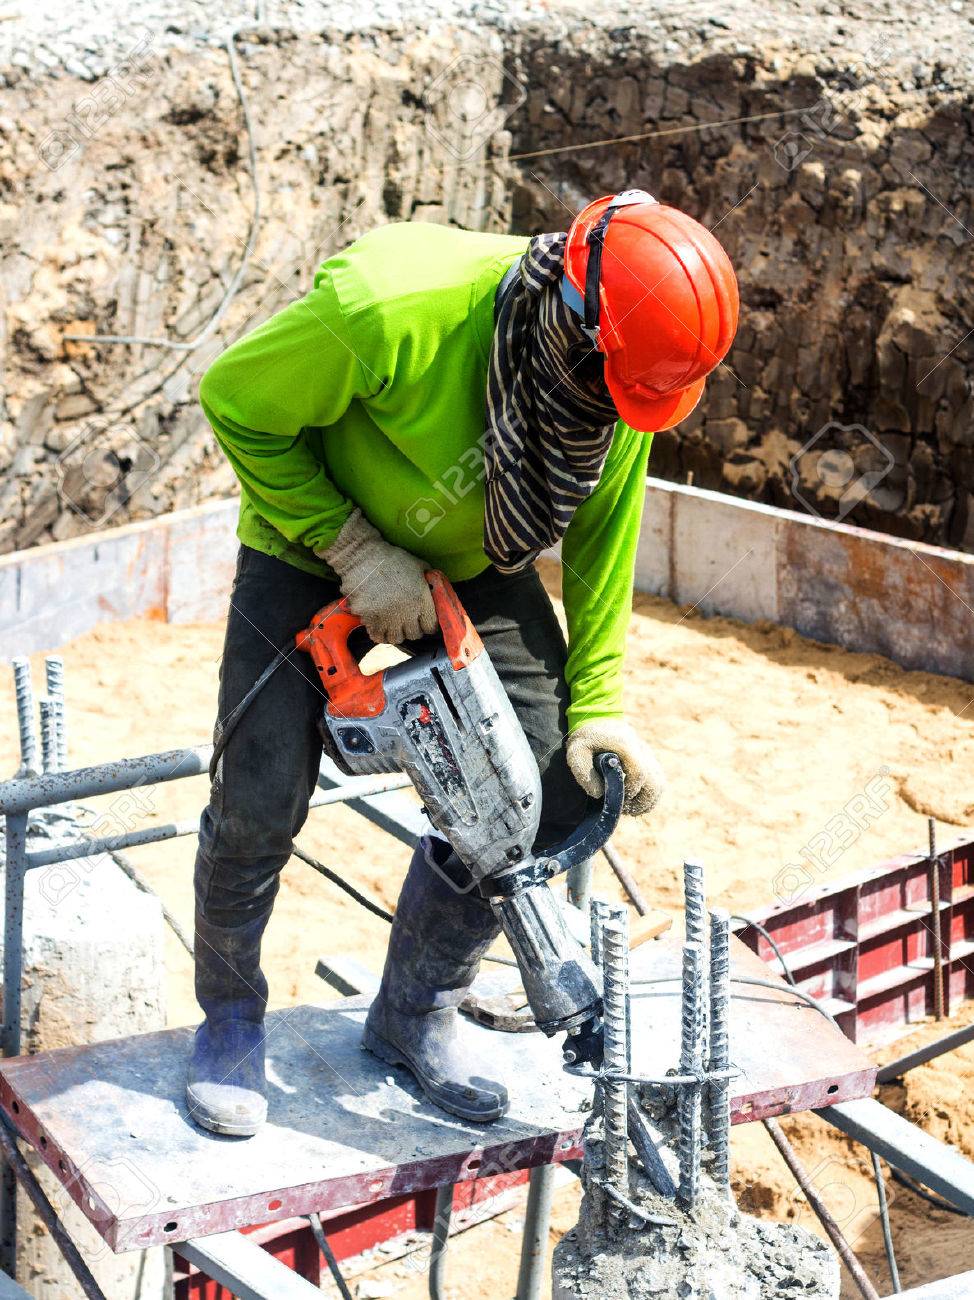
{"points": [[370, 392]]}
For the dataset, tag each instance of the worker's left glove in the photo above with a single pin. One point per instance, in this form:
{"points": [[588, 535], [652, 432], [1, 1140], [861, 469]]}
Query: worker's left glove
{"points": [[644, 776], [383, 584]]}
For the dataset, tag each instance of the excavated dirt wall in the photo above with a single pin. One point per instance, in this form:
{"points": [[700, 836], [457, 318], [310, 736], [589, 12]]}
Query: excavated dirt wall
{"points": [[138, 229], [848, 218], [125, 202]]}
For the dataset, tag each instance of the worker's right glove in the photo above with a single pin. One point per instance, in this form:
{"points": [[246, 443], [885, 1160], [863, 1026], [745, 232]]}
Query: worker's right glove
{"points": [[384, 585], [644, 776]]}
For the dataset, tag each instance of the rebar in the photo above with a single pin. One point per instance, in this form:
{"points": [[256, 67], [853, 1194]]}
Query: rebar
{"points": [[599, 911], [48, 736], [324, 1245], [825, 1217], [54, 673], [933, 875], [25, 716], [718, 1089], [649, 1156], [691, 1062], [695, 922], [614, 943], [625, 879], [894, 1272], [696, 909]]}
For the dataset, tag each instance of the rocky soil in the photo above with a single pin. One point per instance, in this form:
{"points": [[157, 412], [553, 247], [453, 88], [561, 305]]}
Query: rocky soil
{"points": [[845, 205], [126, 201]]}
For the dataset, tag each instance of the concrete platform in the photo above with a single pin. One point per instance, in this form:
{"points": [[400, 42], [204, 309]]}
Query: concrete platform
{"points": [[344, 1129]]}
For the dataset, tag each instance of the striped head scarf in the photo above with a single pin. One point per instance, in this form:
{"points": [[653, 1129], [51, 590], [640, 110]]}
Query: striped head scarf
{"points": [[550, 418]]}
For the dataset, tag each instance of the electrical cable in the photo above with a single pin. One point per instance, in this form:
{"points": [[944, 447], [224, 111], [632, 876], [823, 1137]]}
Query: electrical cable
{"points": [[653, 135], [375, 908], [127, 867], [229, 724], [759, 983], [756, 925], [938, 1202], [894, 1272]]}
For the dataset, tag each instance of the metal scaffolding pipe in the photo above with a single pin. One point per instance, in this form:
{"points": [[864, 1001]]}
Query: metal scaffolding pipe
{"points": [[355, 788], [23, 794]]}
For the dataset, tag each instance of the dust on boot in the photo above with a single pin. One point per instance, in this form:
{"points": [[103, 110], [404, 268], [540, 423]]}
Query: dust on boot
{"points": [[441, 930], [226, 1091]]}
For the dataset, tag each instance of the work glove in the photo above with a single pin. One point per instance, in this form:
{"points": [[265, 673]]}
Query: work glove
{"points": [[383, 584], [644, 776]]}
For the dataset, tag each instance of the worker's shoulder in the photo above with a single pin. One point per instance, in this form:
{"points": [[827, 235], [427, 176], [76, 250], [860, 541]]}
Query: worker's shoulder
{"points": [[407, 259]]}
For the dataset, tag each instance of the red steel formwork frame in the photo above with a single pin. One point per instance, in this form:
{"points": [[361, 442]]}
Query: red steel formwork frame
{"points": [[865, 946], [360, 1230]]}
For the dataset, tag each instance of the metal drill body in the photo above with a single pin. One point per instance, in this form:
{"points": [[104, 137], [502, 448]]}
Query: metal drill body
{"points": [[444, 718]]}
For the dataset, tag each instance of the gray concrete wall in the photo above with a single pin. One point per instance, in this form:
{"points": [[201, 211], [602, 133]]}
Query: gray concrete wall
{"points": [[177, 568], [848, 586], [862, 590]]}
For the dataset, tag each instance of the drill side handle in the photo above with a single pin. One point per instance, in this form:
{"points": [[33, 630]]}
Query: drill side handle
{"points": [[591, 835]]}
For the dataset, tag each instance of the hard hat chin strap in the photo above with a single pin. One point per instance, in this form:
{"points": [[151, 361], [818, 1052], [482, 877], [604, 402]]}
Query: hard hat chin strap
{"points": [[596, 246]]}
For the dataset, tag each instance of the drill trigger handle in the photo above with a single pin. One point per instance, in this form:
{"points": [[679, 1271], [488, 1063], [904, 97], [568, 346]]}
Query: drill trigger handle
{"points": [[354, 694]]}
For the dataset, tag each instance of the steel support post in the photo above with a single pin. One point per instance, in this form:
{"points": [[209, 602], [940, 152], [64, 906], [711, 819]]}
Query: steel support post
{"points": [[239, 1264], [537, 1224], [13, 963], [441, 1239], [923, 1054], [580, 884]]}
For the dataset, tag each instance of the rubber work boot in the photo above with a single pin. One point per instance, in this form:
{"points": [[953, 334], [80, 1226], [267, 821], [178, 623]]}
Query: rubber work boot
{"points": [[441, 930], [226, 1091]]}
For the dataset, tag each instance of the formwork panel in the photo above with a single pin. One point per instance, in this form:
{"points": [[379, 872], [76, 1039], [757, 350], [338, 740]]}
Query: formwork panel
{"points": [[866, 945], [344, 1129]]}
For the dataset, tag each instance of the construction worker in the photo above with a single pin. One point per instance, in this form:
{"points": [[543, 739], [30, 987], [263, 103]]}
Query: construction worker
{"points": [[459, 401]]}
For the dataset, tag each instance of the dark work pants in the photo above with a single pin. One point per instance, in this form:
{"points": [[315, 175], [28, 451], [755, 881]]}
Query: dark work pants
{"points": [[259, 800]]}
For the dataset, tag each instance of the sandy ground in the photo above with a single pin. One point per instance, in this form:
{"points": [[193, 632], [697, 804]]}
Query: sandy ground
{"points": [[764, 736]]}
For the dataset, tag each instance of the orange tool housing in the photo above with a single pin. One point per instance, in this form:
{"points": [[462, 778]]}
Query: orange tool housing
{"points": [[354, 694]]}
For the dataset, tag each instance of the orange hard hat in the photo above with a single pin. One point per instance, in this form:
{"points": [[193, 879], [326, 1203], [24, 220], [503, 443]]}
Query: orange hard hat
{"points": [[658, 296]]}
